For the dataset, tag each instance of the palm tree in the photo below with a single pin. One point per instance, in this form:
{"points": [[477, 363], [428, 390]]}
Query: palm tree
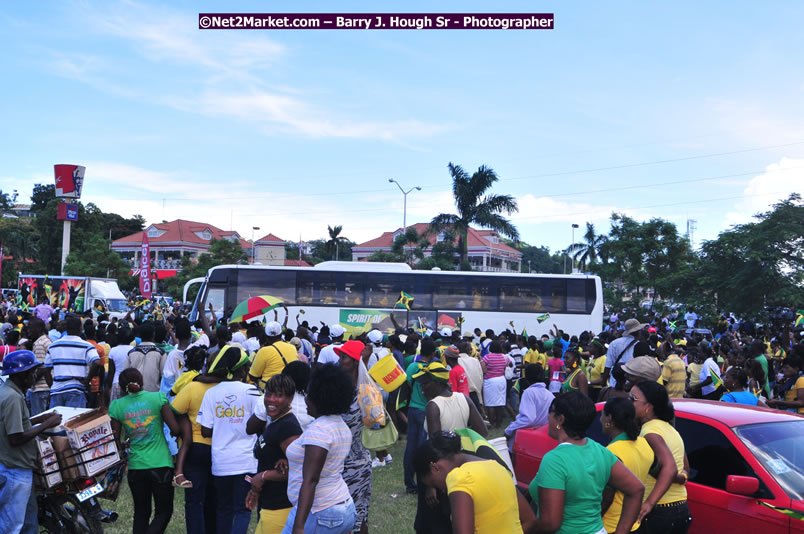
{"points": [[335, 240], [592, 248], [475, 206]]}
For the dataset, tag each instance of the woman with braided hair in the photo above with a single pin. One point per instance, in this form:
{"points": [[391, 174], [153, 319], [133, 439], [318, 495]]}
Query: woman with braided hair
{"points": [[139, 416]]}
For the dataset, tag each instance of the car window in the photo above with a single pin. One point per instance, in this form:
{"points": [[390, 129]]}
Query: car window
{"points": [[712, 457], [780, 449]]}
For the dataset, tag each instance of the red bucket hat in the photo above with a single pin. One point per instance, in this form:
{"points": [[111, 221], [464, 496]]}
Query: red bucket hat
{"points": [[351, 348]]}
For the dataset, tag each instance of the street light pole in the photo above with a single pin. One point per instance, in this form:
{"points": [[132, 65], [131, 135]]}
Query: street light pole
{"points": [[574, 226], [253, 247], [404, 203]]}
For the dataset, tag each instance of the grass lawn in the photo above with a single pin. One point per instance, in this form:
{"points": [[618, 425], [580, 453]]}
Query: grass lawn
{"points": [[391, 511]]}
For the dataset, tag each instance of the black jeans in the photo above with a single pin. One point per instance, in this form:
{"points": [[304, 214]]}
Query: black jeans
{"points": [[146, 485], [667, 520]]}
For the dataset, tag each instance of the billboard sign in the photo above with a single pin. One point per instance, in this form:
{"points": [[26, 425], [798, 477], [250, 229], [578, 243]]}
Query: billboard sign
{"points": [[69, 180]]}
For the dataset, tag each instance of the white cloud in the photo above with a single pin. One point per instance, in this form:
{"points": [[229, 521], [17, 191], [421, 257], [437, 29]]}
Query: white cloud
{"points": [[535, 210], [777, 182], [232, 69]]}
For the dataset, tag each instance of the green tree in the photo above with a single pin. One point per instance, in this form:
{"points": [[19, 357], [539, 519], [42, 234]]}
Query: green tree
{"points": [[20, 244], [758, 264], [96, 258], [404, 252], [538, 259], [335, 242], [594, 247], [41, 195], [475, 205], [645, 255], [221, 252]]}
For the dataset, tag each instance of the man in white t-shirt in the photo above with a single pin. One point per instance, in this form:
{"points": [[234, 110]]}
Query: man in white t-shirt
{"points": [[222, 416], [691, 317], [709, 370], [327, 354], [377, 351]]}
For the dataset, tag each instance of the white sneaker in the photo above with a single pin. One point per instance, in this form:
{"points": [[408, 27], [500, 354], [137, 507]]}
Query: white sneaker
{"points": [[388, 459], [376, 462]]}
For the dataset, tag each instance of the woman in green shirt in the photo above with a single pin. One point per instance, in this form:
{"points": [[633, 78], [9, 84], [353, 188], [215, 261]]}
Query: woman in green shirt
{"points": [[576, 378], [569, 498], [140, 416]]}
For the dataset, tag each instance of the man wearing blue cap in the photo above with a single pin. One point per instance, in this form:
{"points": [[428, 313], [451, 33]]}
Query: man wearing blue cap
{"points": [[18, 454]]}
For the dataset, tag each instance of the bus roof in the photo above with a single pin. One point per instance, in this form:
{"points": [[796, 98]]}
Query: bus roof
{"points": [[383, 267]]}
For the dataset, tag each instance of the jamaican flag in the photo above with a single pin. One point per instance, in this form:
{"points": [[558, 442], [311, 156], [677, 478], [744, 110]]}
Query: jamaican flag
{"points": [[786, 511], [543, 317], [799, 318], [404, 300], [716, 380]]}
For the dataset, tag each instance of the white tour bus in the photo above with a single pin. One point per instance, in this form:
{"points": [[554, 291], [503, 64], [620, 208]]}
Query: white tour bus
{"points": [[362, 295]]}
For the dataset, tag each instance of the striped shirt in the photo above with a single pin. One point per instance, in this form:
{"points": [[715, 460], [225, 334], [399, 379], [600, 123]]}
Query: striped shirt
{"points": [[70, 358], [495, 365], [331, 433], [40, 347]]}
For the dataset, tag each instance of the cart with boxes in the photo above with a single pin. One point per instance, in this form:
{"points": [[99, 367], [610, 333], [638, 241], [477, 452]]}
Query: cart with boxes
{"points": [[82, 446]]}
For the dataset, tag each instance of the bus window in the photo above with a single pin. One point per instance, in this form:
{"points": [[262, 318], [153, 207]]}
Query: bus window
{"points": [[383, 289], [215, 296], [452, 293], [484, 294], [353, 289], [521, 296], [557, 294], [304, 288], [576, 296], [327, 290], [422, 291], [591, 295], [255, 282], [316, 288]]}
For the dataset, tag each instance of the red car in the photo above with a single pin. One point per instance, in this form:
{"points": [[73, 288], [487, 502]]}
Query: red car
{"points": [[739, 457]]}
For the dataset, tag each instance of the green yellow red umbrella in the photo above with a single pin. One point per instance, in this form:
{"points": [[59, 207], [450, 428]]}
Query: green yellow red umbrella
{"points": [[254, 307]]}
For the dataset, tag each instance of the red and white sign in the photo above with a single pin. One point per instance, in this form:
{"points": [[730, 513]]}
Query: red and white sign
{"points": [[145, 267], [69, 180]]}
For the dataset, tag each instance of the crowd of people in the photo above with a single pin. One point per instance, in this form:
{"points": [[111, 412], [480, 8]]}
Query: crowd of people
{"points": [[252, 417]]}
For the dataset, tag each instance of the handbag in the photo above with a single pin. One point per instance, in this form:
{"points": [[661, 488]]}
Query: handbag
{"points": [[510, 367], [381, 438]]}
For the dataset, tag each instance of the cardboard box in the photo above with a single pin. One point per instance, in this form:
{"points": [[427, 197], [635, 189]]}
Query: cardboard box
{"points": [[92, 441], [66, 457], [48, 474]]}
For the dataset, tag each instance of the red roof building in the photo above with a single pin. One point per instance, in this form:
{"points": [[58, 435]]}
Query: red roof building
{"points": [[171, 241], [486, 252]]}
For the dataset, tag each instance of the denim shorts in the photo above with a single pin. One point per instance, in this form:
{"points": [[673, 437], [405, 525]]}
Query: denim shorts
{"points": [[337, 519]]}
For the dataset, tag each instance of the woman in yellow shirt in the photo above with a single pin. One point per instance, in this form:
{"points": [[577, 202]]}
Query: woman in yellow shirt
{"points": [[482, 496], [619, 423], [665, 508], [792, 387]]}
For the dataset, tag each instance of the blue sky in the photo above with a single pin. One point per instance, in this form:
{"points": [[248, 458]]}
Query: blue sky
{"points": [[655, 110]]}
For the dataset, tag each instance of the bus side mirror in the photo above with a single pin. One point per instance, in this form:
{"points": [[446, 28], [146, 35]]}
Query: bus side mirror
{"points": [[740, 485]]}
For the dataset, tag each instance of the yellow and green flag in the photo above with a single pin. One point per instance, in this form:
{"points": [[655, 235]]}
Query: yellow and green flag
{"points": [[786, 511], [543, 317], [716, 380], [799, 318], [404, 300]]}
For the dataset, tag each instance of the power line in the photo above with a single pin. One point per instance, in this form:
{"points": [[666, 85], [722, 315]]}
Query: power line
{"points": [[546, 175]]}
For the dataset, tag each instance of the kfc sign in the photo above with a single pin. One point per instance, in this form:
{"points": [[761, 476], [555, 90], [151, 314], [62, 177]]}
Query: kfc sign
{"points": [[69, 180]]}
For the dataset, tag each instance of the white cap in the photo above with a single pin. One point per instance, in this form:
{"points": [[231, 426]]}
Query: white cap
{"points": [[273, 329], [238, 338], [446, 332], [336, 330], [375, 336]]}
